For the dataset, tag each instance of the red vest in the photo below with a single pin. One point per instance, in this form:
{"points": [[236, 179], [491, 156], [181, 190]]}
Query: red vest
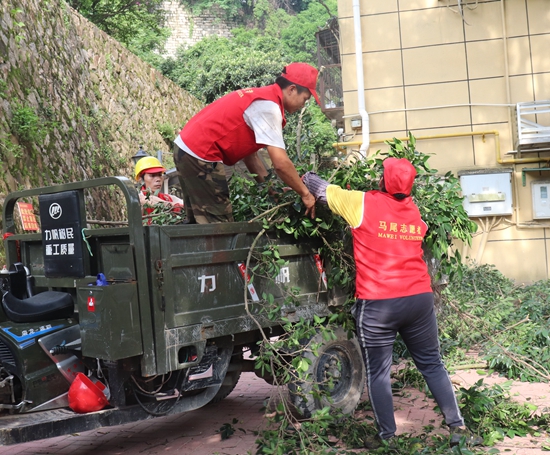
{"points": [[165, 197], [388, 249], [219, 132]]}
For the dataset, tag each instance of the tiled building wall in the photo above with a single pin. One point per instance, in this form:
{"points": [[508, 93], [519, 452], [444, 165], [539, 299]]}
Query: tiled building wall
{"points": [[432, 72]]}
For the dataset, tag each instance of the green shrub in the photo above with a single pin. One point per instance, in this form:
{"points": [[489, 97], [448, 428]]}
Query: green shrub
{"points": [[27, 125]]}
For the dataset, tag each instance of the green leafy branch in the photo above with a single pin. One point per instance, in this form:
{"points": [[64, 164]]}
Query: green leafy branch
{"points": [[161, 213], [491, 412], [507, 323]]}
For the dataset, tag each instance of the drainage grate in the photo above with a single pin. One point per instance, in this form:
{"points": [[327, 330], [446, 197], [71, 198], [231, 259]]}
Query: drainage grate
{"points": [[6, 356]]}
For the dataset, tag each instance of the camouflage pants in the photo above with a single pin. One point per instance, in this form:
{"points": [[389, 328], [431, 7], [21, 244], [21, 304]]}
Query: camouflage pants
{"points": [[205, 189]]}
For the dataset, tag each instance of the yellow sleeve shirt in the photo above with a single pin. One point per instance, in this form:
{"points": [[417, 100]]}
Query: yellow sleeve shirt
{"points": [[346, 203]]}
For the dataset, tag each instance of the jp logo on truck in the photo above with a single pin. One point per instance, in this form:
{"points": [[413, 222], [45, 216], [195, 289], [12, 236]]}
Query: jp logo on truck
{"points": [[55, 211]]}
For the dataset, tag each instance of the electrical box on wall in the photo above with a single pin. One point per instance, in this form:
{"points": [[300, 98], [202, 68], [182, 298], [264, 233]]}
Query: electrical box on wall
{"points": [[356, 123], [540, 191], [487, 192]]}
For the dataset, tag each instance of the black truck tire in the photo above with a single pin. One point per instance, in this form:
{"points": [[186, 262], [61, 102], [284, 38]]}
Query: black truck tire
{"points": [[232, 376], [342, 360]]}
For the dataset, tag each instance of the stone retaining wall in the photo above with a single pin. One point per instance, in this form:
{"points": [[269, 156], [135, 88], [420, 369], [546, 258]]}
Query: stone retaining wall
{"points": [[74, 103]]}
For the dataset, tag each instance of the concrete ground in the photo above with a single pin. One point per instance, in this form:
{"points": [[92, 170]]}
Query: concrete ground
{"points": [[197, 433]]}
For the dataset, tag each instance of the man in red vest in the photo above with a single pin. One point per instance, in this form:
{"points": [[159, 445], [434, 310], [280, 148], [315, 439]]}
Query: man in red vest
{"points": [[393, 290], [234, 128]]}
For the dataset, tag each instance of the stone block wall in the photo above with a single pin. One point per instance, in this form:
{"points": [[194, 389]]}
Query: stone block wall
{"points": [[188, 29], [74, 103]]}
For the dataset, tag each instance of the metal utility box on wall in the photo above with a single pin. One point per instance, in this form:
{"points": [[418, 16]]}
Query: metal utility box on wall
{"points": [[541, 199], [487, 192], [532, 136]]}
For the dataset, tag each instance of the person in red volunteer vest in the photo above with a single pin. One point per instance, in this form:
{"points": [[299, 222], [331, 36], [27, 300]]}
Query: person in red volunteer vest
{"points": [[393, 291], [151, 173], [234, 128]]}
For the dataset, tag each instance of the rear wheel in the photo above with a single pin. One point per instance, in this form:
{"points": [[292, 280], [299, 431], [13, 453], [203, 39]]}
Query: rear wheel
{"points": [[232, 375], [338, 372]]}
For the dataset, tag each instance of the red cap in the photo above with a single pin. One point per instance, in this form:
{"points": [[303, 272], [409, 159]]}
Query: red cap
{"points": [[304, 75], [399, 176]]}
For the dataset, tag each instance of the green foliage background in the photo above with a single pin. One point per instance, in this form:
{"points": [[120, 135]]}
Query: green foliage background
{"points": [[254, 56], [123, 19], [217, 66]]}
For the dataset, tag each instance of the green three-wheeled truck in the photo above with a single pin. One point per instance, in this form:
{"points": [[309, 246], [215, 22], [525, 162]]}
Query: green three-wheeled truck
{"points": [[149, 320]]}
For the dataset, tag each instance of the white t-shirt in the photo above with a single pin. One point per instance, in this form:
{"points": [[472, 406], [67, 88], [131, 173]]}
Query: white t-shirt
{"points": [[264, 118]]}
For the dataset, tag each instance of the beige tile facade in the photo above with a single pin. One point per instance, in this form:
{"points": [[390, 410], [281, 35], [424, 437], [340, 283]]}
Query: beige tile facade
{"points": [[516, 19], [430, 71], [485, 59], [540, 53], [381, 32], [383, 69], [541, 86], [523, 88], [519, 61], [538, 16], [481, 24], [433, 64], [484, 92], [436, 25]]}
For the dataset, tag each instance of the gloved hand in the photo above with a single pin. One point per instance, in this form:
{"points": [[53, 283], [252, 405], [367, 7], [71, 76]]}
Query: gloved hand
{"points": [[316, 186], [101, 280]]}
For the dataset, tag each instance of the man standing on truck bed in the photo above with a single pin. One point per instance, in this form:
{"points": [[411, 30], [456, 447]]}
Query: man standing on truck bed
{"points": [[234, 128]]}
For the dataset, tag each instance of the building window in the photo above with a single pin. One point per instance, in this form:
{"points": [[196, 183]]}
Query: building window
{"points": [[330, 81]]}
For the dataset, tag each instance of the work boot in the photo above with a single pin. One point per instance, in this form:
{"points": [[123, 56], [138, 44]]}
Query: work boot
{"points": [[463, 434]]}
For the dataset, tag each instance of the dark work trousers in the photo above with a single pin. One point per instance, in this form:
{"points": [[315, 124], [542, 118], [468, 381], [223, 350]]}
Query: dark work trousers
{"points": [[413, 317]]}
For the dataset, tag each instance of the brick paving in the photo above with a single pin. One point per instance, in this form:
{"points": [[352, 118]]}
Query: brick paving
{"points": [[197, 432]]}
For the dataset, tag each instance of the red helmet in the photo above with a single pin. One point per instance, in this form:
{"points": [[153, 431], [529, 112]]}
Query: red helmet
{"points": [[86, 396]]}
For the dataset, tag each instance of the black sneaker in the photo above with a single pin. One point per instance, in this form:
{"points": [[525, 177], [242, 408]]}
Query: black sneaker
{"points": [[375, 442], [459, 434]]}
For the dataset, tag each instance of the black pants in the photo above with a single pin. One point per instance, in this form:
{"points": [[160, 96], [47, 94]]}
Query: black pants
{"points": [[413, 317]]}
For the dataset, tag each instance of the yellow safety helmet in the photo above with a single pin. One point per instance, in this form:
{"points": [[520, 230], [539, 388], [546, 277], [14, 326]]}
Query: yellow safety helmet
{"points": [[150, 164]]}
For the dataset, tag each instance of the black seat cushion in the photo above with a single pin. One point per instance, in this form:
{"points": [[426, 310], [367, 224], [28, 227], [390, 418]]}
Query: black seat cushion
{"points": [[18, 280], [45, 306]]}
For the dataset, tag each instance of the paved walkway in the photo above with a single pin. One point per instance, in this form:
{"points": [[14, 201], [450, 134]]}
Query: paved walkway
{"points": [[197, 432]]}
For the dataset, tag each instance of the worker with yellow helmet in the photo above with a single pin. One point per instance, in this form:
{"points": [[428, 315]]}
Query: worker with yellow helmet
{"points": [[151, 172]]}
